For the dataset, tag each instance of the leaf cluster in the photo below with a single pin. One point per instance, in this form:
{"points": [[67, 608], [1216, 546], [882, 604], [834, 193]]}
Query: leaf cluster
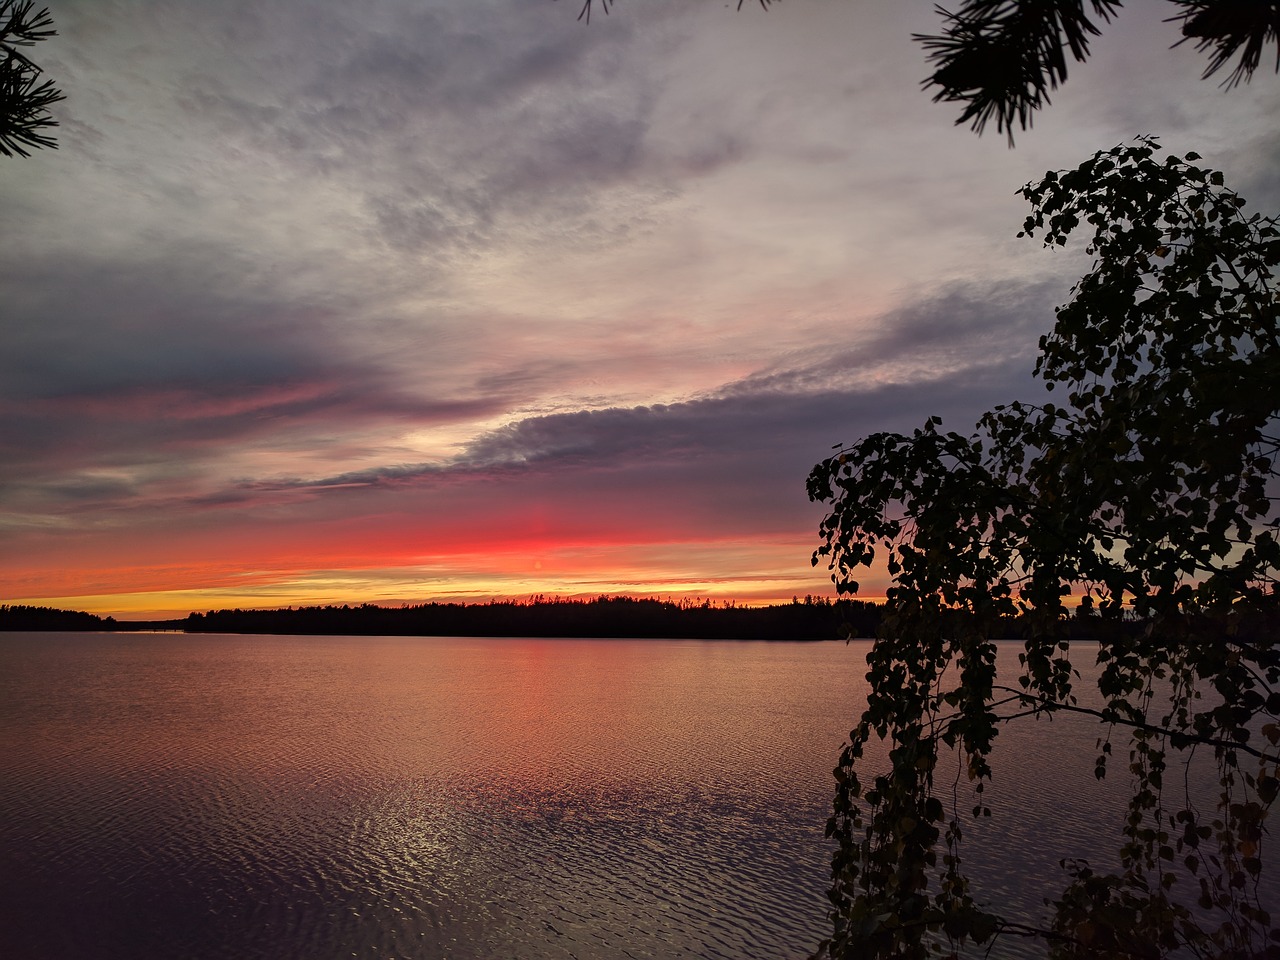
{"points": [[1228, 28], [24, 97], [1147, 494], [1001, 58]]}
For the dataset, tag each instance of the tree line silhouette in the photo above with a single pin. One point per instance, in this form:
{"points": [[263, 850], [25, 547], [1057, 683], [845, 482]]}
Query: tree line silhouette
{"points": [[808, 618], [813, 618], [47, 618]]}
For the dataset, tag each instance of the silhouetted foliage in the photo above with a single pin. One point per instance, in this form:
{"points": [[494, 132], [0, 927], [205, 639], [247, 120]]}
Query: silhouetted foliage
{"points": [[47, 618], [1000, 58], [1230, 26], [1148, 492], [24, 98]]}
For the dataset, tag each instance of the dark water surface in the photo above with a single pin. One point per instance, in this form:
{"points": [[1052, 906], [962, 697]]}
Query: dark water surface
{"points": [[300, 797]]}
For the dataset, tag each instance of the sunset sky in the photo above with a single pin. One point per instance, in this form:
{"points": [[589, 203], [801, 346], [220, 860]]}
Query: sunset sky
{"points": [[322, 301]]}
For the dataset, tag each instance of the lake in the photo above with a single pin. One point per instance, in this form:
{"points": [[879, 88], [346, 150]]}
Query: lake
{"points": [[165, 795]]}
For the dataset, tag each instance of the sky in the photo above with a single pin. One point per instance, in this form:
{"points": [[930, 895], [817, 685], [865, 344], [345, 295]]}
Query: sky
{"points": [[412, 300]]}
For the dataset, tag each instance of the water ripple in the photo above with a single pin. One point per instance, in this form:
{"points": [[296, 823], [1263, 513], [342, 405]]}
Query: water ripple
{"points": [[315, 798]]}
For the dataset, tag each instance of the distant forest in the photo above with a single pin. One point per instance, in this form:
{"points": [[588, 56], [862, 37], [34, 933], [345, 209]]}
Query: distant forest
{"points": [[813, 618], [810, 618], [46, 618]]}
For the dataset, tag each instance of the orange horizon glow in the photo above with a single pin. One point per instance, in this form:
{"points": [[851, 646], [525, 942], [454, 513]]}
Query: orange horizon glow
{"points": [[178, 604], [755, 572]]}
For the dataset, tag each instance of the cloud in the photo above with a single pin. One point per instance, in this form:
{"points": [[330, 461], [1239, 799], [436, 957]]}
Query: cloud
{"points": [[761, 433], [745, 425], [449, 124], [194, 429], [945, 336]]}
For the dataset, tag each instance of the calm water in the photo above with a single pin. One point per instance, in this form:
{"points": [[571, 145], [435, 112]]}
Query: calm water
{"points": [[291, 797]]}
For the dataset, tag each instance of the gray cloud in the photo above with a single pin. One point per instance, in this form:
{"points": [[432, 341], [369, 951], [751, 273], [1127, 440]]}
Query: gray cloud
{"points": [[943, 336], [88, 324], [447, 118], [745, 423], [215, 393], [775, 436], [1258, 161]]}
